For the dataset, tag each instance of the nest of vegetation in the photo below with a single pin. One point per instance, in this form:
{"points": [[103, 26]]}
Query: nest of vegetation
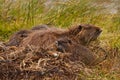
{"points": [[31, 64]]}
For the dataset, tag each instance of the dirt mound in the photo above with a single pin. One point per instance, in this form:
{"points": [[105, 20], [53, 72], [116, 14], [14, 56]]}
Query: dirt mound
{"points": [[33, 64], [30, 63]]}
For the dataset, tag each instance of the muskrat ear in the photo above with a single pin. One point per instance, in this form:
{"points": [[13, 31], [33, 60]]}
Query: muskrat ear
{"points": [[80, 27], [75, 30]]}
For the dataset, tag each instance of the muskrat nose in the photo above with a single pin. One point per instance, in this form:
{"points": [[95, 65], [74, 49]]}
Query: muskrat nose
{"points": [[100, 30]]}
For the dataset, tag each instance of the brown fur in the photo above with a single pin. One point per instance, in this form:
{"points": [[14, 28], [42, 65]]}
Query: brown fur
{"points": [[83, 34], [87, 34], [41, 38], [76, 51], [16, 38]]}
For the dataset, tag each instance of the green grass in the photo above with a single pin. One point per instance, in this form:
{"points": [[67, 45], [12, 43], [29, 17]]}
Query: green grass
{"points": [[23, 14]]}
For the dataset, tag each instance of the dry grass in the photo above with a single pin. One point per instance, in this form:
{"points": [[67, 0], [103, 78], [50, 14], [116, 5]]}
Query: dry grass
{"points": [[31, 63]]}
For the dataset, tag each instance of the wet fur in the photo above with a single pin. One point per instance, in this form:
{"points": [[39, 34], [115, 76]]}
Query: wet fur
{"points": [[77, 52], [82, 34], [16, 38]]}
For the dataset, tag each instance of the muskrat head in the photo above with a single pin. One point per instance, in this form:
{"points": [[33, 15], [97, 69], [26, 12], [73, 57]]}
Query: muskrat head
{"points": [[60, 46], [16, 38], [88, 33], [63, 44]]}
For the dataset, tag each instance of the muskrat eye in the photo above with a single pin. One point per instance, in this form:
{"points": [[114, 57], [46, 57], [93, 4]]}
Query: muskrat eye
{"points": [[70, 41], [23, 35]]}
